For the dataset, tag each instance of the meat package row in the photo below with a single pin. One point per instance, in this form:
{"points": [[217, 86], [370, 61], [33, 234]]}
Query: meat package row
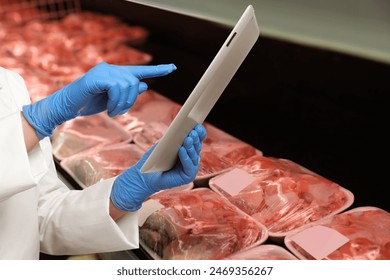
{"points": [[101, 146], [52, 53]]}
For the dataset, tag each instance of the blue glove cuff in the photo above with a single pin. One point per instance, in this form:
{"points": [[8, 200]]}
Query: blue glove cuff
{"points": [[122, 203], [128, 191], [30, 114]]}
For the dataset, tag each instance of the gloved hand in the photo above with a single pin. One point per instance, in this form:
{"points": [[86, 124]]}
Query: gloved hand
{"points": [[104, 87], [132, 187]]}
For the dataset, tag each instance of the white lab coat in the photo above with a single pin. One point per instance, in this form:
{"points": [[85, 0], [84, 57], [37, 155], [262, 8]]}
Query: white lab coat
{"points": [[37, 211]]}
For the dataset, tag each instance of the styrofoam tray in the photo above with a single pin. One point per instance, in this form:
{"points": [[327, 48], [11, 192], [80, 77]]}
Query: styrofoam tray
{"points": [[326, 239]]}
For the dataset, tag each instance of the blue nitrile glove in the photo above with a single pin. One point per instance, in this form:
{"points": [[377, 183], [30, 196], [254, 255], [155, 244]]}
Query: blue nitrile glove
{"points": [[132, 187], [104, 87]]}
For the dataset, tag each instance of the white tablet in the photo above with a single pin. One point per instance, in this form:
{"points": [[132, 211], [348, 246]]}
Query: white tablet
{"points": [[206, 93]]}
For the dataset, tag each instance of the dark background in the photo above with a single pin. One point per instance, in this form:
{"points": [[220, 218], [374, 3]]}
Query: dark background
{"points": [[322, 109]]}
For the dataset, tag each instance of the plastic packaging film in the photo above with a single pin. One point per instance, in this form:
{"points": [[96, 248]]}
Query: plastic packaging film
{"points": [[361, 233], [198, 224], [281, 194]]}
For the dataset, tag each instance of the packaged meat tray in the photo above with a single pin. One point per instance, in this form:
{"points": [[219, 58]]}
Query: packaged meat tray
{"points": [[150, 107], [281, 194], [362, 233], [149, 134], [220, 153], [263, 252], [101, 162], [197, 224], [82, 133]]}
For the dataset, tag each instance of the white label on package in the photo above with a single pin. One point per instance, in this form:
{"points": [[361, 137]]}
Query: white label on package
{"points": [[234, 181], [319, 241], [148, 208]]}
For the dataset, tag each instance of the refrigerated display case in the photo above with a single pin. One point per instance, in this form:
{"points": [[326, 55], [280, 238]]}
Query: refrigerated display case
{"points": [[323, 109]]}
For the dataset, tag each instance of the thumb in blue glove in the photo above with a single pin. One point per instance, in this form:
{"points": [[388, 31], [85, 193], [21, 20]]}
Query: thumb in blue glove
{"points": [[104, 87], [132, 187]]}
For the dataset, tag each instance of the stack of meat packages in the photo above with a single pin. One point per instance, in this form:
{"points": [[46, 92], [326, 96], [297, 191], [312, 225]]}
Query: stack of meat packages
{"points": [[52, 53]]}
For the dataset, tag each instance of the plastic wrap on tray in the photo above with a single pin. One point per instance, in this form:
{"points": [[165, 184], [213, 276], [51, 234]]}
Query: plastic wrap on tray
{"points": [[361, 233], [101, 162], [150, 107], [221, 152], [198, 224], [82, 133], [129, 122], [52, 53], [281, 194], [263, 252], [149, 134]]}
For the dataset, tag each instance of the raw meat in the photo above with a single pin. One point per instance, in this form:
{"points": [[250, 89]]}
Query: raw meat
{"points": [[91, 27], [129, 122], [84, 132], [67, 143], [198, 224], [150, 134], [368, 231], [53, 53], [284, 195], [91, 55], [101, 162], [154, 107], [221, 152], [150, 109], [22, 14]]}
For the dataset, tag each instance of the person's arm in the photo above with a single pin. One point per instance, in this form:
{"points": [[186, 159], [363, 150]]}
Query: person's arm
{"points": [[30, 137], [114, 212]]}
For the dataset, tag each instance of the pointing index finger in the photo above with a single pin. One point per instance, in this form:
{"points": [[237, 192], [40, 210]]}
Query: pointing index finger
{"points": [[146, 71]]}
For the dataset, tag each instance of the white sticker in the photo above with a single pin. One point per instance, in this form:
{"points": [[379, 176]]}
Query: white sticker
{"points": [[234, 181], [148, 208], [319, 241]]}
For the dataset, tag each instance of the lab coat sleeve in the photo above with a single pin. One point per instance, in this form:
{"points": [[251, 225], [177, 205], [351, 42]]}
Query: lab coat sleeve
{"points": [[77, 222], [16, 174]]}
